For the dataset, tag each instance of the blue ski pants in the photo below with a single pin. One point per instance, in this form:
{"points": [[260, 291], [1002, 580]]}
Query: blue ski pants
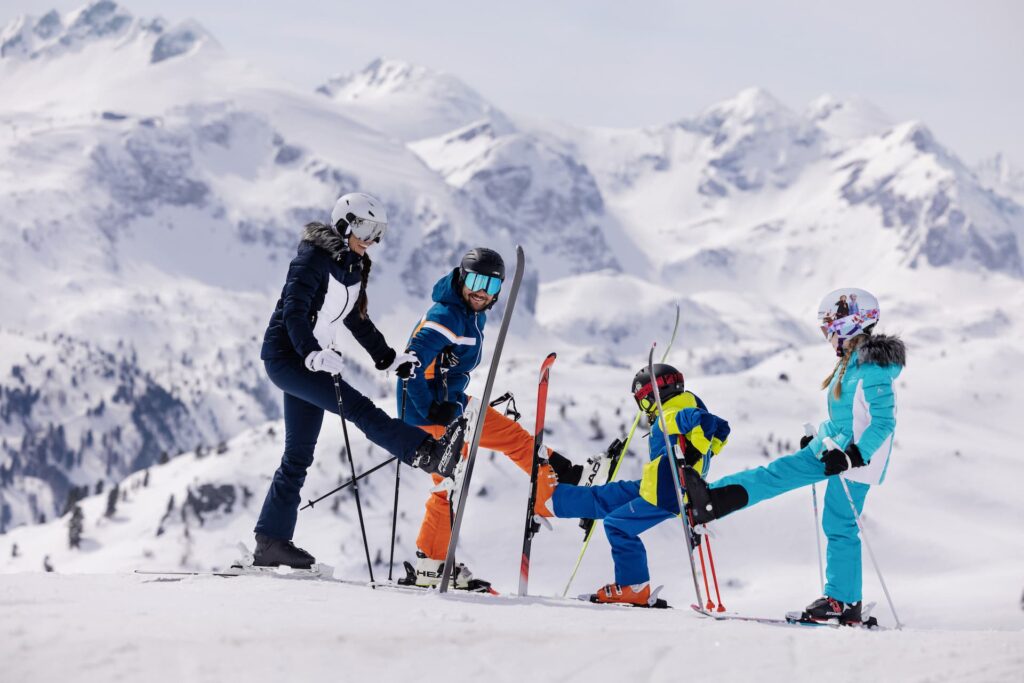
{"points": [[306, 396], [626, 515], [843, 571]]}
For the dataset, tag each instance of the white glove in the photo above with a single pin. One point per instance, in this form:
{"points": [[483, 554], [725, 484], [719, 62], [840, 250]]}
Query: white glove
{"points": [[401, 359], [325, 361]]}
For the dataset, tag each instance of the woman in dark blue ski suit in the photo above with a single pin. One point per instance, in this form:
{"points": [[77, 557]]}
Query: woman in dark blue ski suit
{"points": [[325, 290]]}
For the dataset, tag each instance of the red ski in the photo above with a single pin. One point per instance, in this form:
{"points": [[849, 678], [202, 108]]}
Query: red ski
{"points": [[532, 524]]}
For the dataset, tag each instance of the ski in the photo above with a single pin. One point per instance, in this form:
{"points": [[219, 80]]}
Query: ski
{"points": [[615, 467], [449, 563], [532, 525], [660, 603], [791, 619], [674, 469]]}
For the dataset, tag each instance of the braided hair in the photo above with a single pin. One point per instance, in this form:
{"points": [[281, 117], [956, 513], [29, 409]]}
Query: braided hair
{"points": [[849, 347], [362, 301]]}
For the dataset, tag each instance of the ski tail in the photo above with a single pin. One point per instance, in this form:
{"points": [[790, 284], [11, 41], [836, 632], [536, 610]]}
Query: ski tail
{"points": [[532, 526], [510, 304]]}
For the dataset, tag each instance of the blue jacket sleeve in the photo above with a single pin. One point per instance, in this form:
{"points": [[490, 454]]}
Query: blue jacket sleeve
{"points": [[369, 337], [427, 343], [877, 387], [305, 274], [694, 424]]}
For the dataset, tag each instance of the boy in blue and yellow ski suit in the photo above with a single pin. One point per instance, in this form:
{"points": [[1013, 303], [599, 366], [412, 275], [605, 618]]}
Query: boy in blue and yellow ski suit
{"points": [[630, 508]]}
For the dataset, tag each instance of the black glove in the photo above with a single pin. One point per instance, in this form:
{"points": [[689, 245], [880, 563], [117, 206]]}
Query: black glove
{"points": [[691, 455], [837, 461], [385, 360], [806, 439], [404, 371], [566, 472], [443, 412]]}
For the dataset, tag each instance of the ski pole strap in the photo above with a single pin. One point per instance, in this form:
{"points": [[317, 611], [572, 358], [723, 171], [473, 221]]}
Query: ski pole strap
{"points": [[510, 409]]}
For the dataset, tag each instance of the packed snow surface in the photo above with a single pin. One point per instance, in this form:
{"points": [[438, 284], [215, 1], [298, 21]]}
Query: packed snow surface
{"points": [[209, 629]]}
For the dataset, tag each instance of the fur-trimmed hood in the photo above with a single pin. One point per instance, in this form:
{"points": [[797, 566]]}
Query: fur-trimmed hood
{"points": [[327, 238], [882, 350]]}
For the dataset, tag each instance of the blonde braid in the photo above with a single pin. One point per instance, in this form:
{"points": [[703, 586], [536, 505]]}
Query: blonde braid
{"points": [[851, 346]]}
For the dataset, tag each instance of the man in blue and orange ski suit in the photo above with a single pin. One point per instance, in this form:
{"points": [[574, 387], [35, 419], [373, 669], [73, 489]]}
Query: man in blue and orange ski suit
{"points": [[448, 341]]}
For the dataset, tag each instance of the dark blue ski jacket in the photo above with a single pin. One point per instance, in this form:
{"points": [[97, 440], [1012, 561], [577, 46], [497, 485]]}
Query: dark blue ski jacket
{"points": [[319, 296]]}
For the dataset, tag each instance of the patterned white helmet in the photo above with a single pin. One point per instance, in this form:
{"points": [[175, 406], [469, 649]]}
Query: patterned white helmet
{"points": [[847, 312], [359, 214]]}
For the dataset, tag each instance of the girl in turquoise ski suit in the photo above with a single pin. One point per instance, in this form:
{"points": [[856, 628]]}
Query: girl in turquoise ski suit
{"points": [[861, 423]]}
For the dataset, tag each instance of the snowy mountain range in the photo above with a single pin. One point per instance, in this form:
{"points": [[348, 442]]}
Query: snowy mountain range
{"points": [[153, 188]]}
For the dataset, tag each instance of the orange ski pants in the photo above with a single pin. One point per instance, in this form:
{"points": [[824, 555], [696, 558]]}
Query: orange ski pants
{"points": [[500, 434]]}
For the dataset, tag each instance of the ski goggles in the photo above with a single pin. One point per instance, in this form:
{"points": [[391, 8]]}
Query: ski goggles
{"points": [[644, 396], [367, 230], [477, 282]]}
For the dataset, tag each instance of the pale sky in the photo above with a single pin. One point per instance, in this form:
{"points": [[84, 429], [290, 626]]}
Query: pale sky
{"points": [[957, 66]]}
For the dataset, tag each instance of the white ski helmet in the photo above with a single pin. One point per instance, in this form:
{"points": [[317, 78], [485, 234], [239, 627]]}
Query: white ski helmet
{"points": [[847, 312], [359, 214]]}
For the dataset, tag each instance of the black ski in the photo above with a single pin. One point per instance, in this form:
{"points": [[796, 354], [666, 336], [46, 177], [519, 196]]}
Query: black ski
{"points": [[510, 304], [532, 524]]}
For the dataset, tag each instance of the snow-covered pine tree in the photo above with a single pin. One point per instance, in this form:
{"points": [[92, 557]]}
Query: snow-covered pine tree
{"points": [[75, 525]]}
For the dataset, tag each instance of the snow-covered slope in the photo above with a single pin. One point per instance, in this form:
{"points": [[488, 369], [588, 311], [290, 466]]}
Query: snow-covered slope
{"points": [[209, 629], [149, 207]]}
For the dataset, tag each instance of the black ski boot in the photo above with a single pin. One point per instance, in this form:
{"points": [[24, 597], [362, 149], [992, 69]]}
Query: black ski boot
{"points": [[440, 456], [710, 504], [566, 472], [828, 610], [274, 552]]}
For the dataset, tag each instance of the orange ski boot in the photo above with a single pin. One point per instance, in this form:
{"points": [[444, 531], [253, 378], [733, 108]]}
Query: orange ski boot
{"points": [[546, 483], [638, 595]]}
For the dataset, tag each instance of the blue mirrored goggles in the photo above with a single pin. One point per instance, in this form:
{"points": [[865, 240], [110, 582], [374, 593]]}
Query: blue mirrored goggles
{"points": [[477, 282]]}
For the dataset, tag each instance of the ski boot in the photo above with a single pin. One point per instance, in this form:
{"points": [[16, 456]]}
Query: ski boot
{"points": [[547, 480], [275, 552], [709, 504], [826, 610], [638, 595], [567, 472], [441, 456], [427, 574]]}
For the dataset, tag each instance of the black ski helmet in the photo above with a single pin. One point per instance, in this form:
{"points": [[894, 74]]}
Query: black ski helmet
{"points": [[670, 384], [483, 261]]}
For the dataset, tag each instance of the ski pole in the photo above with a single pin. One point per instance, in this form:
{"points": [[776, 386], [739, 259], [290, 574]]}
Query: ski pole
{"points": [[349, 483], [714, 574], [810, 431], [355, 481], [703, 571], [704, 470], [817, 537], [871, 554], [398, 476]]}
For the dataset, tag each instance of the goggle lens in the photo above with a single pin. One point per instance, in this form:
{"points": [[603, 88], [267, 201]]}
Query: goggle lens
{"points": [[477, 282], [367, 230]]}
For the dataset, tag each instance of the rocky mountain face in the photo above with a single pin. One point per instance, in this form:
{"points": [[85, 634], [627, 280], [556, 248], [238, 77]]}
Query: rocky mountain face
{"points": [[149, 208]]}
